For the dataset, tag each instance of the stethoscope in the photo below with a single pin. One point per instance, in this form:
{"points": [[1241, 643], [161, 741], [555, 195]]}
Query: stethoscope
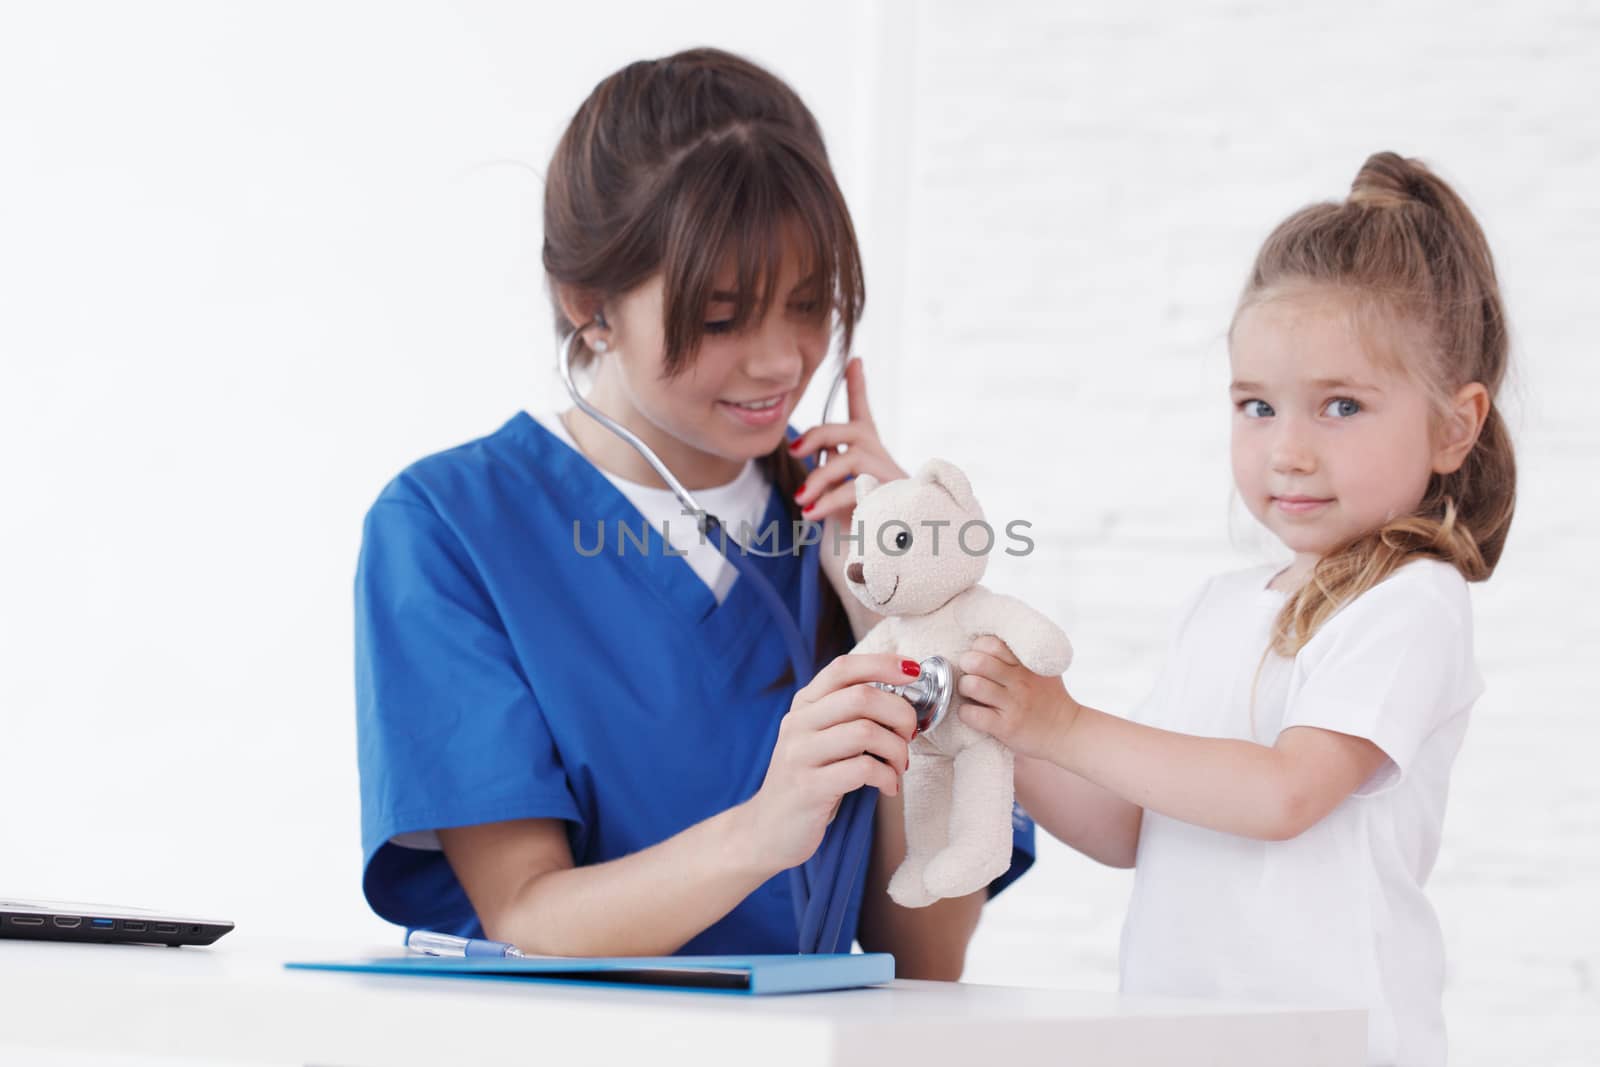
{"points": [[821, 897]]}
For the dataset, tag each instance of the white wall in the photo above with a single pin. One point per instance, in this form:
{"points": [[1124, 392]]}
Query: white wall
{"points": [[253, 260], [1091, 183]]}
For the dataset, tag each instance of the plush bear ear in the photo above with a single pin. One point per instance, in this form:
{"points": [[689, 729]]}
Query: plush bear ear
{"points": [[948, 477], [865, 483]]}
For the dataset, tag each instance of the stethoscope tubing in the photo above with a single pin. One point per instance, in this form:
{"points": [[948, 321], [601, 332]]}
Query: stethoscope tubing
{"points": [[821, 899], [685, 497]]}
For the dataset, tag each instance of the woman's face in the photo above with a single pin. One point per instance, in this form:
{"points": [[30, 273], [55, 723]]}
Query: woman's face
{"points": [[736, 395]]}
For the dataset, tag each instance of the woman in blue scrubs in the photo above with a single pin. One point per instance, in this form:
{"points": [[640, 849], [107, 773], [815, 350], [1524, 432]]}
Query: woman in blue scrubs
{"points": [[579, 730]]}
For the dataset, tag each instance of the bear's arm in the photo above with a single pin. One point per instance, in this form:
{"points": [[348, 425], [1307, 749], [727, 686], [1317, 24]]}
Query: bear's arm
{"points": [[1039, 644]]}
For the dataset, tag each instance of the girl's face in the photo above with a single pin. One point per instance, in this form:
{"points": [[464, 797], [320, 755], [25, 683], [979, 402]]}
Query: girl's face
{"points": [[734, 399], [1327, 445]]}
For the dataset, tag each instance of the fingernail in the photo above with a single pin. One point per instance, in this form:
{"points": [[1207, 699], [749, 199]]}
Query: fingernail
{"points": [[800, 492], [796, 442], [909, 666], [807, 509]]}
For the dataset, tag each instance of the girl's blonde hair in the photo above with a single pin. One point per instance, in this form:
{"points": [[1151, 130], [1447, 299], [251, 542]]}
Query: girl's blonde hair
{"points": [[1405, 249]]}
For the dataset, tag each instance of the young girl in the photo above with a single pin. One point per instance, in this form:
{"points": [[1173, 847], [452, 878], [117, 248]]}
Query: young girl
{"points": [[1282, 790]]}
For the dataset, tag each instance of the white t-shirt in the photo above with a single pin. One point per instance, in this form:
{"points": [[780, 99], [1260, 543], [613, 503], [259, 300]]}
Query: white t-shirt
{"points": [[743, 500], [1336, 915]]}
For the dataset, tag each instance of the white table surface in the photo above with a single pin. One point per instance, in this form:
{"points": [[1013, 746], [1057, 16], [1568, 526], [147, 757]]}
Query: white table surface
{"points": [[234, 1003]]}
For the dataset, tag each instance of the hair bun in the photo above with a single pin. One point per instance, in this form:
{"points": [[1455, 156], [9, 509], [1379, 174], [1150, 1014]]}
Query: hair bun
{"points": [[1388, 179]]}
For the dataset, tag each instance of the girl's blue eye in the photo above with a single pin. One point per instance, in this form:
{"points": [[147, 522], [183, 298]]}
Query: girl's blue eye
{"points": [[1255, 409], [1342, 407]]}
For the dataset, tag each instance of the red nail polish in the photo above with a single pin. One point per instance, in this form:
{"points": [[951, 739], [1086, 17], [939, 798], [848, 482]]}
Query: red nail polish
{"points": [[909, 666], [795, 444], [800, 492], [808, 508]]}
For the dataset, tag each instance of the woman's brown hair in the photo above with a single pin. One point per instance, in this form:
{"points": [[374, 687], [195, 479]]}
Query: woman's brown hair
{"points": [[676, 165], [1405, 249]]}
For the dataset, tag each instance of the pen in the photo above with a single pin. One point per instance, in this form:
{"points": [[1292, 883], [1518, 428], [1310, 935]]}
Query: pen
{"points": [[431, 944]]}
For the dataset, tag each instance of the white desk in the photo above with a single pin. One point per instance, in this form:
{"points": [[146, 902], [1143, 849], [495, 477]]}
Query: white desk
{"points": [[235, 1003]]}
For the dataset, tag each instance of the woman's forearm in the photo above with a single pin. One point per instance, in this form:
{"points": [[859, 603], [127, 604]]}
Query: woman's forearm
{"points": [[649, 903], [1237, 787]]}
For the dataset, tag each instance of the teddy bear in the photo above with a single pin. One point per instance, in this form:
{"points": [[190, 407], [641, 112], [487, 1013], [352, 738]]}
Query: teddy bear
{"points": [[912, 561]]}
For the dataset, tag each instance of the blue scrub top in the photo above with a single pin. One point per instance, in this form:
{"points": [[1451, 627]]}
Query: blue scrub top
{"points": [[502, 674]]}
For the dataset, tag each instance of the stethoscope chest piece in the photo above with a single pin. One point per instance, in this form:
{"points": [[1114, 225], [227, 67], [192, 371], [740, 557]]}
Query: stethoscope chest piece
{"points": [[930, 694]]}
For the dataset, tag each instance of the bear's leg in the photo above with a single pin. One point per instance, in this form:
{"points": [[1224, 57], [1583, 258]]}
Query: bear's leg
{"points": [[980, 822], [926, 789]]}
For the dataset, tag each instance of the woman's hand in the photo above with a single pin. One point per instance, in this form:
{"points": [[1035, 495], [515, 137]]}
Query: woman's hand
{"points": [[827, 492], [1028, 713], [839, 735]]}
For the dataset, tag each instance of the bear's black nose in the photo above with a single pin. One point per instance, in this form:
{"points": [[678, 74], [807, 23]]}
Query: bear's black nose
{"points": [[856, 573]]}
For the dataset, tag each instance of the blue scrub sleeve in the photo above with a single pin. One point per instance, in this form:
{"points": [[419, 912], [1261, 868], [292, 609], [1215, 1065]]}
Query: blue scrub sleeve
{"points": [[448, 731], [1022, 851]]}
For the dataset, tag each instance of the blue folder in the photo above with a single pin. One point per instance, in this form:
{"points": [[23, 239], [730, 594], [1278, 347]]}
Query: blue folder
{"points": [[748, 975]]}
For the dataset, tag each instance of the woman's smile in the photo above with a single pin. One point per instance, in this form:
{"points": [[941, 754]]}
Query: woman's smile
{"points": [[760, 412]]}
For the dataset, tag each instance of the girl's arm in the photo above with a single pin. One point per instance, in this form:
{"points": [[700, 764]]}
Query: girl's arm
{"points": [[1238, 787], [1077, 812]]}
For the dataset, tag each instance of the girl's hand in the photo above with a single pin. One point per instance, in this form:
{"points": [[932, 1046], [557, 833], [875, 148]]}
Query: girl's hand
{"points": [[838, 736], [1028, 713], [827, 492]]}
